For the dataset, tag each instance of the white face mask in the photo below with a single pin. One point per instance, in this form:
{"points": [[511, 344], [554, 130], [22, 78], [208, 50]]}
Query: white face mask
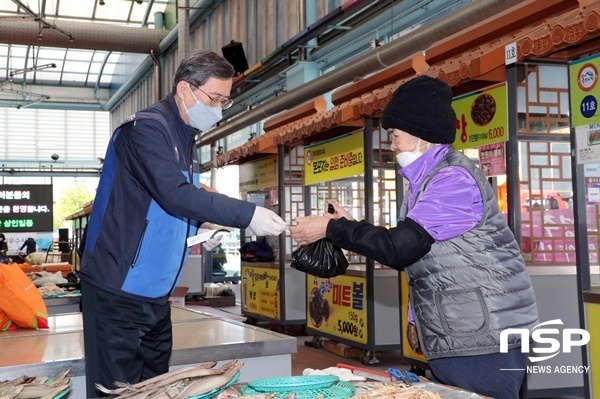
{"points": [[201, 116], [405, 158]]}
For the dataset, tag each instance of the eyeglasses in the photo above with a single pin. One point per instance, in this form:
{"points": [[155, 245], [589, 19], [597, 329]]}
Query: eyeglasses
{"points": [[223, 102]]}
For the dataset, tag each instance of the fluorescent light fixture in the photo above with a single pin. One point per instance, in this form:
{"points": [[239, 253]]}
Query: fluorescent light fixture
{"points": [[31, 69]]}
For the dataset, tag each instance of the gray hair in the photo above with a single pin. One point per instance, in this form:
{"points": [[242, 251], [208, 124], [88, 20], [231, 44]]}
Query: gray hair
{"points": [[201, 65]]}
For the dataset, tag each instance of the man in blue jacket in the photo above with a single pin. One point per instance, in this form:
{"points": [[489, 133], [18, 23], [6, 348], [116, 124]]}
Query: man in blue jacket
{"points": [[149, 201]]}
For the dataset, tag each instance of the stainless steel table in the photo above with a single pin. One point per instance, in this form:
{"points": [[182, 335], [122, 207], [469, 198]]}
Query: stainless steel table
{"points": [[197, 338]]}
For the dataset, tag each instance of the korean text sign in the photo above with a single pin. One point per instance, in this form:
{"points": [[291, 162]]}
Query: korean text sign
{"points": [[260, 291], [258, 175], [26, 208], [334, 159]]}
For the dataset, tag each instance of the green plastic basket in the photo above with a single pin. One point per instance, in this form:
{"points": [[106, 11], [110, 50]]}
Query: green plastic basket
{"points": [[339, 390], [297, 383], [63, 393]]}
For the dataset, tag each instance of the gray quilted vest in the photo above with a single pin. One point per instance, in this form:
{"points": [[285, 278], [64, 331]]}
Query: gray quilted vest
{"points": [[466, 290]]}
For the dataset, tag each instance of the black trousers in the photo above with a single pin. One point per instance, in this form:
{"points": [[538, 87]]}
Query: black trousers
{"points": [[125, 340], [497, 375]]}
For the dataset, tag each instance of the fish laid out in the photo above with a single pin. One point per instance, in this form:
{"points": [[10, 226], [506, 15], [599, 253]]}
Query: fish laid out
{"points": [[395, 391], [26, 387], [182, 383], [232, 393]]}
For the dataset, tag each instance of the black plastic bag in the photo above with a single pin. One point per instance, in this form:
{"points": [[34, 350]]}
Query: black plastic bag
{"points": [[321, 258]]}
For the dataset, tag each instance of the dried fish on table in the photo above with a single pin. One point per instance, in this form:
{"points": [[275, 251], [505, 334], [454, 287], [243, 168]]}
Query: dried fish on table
{"points": [[161, 380], [229, 393], [188, 370], [232, 393], [41, 391], [260, 396], [26, 387], [395, 391], [204, 386], [10, 392], [181, 383], [46, 289]]}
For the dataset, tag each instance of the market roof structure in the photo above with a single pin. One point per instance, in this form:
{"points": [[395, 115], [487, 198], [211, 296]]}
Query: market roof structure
{"points": [[45, 44]]}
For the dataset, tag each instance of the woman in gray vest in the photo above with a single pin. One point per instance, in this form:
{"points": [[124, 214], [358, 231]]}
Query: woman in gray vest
{"points": [[466, 276]]}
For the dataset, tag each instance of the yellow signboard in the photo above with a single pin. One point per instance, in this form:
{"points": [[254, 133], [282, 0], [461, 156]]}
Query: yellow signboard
{"points": [[258, 175], [338, 306], [481, 117], [260, 291], [593, 327], [334, 159], [583, 89], [407, 350]]}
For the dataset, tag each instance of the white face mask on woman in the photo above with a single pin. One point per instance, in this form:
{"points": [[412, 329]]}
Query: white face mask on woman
{"points": [[405, 158], [201, 116]]}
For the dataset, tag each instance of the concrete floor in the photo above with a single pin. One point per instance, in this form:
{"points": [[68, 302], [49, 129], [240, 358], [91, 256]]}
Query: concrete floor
{"points": [[308, 356]]}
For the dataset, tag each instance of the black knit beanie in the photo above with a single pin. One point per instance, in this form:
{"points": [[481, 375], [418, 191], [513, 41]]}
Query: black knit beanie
{"points": [[422, 107]]}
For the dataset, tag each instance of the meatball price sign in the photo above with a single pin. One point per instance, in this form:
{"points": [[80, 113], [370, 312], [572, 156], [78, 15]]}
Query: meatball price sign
{"points": [[584, 90], [481, 117], [338, 306]]}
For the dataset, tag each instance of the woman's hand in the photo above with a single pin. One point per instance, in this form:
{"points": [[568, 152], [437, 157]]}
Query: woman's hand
{"points": [[310, 228], [340, 212]]}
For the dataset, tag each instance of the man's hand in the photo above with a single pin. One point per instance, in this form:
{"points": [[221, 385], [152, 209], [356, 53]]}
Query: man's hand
{"points": [[265, 223]]}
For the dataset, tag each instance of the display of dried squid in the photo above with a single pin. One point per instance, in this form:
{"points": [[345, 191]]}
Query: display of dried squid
{"points": [[182, 383], [49, 289], [395, 391], [26, 387]]}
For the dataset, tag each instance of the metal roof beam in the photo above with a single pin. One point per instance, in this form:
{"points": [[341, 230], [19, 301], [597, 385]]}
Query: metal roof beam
{"points": [[55, 105], [86, 35], [97, 86], [49, 172], [43, 9], [147, 14], [374, 61]]}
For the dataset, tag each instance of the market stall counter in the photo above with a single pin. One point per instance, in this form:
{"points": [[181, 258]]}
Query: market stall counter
{"points": [[197, 338], [68, 303]]}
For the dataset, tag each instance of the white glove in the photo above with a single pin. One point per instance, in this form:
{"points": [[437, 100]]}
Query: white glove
{"points": [[211, 242], [265, 223]]}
